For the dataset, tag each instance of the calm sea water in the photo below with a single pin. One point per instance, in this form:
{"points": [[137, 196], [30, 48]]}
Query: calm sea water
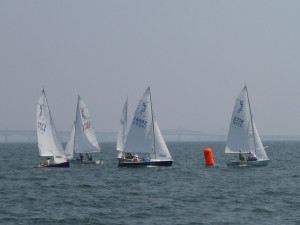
{"points": [[186, 193]]}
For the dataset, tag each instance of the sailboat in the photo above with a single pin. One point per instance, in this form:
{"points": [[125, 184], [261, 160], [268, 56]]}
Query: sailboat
{"points": [[82, 139], [48, 143], [243, 137], [144, 140], [122, 131]]}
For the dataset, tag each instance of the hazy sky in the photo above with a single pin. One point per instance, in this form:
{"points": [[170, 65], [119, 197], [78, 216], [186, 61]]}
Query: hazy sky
{"points": [[195, 55]]}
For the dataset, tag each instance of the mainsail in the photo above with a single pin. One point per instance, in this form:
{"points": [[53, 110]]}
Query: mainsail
{"points": [[243, 135], [48, 142], [85, 138], [140, 135]]}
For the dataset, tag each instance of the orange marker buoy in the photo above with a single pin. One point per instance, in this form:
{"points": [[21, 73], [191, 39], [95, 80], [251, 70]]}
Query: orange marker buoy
{"points": [[209, 159]]}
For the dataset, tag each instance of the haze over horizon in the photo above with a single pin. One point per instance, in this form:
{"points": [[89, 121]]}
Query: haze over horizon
{"points": [[195, 55]]}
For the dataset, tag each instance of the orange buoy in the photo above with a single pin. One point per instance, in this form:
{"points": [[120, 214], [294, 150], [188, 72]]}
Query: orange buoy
{"points": [[209, 159]]}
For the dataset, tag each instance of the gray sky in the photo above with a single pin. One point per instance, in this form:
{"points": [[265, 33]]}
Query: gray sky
{"points": [[195, 55]]}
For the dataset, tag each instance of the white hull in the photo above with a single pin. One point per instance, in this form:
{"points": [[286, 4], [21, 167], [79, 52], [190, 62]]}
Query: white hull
{"points": [[75, 161], [248, 163]]}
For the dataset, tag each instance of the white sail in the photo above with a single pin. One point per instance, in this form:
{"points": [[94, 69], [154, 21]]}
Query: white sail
{"points": [[161, 149], [85, 138], [243, 135], [69, 148], [140, 135], [48, 143], [122, 130], [260, 150]]}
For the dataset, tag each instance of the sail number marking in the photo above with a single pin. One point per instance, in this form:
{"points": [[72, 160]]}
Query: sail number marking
{"points": [[86, 126], [41, 126], [241, 106], [238, 122], [140, 122]]}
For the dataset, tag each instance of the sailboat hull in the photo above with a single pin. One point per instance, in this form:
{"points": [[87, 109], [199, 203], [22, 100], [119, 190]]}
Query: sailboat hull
{"points": [[60, 165], [85, 161], [141, 164], [248, 163]]}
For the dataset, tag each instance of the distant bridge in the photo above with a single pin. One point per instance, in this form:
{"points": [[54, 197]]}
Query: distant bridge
{"points": [[179, 134], [169, 135]]}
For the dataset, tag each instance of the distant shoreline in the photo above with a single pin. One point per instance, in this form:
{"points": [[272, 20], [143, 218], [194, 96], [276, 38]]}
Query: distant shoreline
{"points": [[175, 135]]}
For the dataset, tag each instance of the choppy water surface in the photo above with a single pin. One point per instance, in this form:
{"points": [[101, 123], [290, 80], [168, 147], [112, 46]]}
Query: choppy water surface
{"points": [[186, 193]]}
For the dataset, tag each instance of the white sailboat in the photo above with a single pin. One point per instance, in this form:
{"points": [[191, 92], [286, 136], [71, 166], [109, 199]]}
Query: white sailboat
{"points": [[243, 138], [48, 143], [122, 130], [145, 139], [82, 139]]}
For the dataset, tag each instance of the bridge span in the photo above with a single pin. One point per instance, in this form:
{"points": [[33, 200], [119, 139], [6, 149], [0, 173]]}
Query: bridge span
{"points": [[179, 134], [169, 135]]}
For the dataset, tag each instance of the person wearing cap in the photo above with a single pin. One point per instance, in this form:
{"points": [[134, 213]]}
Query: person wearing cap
{"points": [[89, 156]]}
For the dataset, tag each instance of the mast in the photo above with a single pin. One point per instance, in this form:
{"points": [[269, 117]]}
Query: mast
{"points": [[251, 119], [152, 124], [75, 123]]}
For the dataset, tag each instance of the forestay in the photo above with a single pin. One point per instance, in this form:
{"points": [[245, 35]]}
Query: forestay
{"points": [[85, 139], [243, 135], [48, 142]]}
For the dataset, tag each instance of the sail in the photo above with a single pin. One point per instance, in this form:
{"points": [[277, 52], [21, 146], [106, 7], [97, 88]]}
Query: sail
{"points": [[161, 149], [140, 135], [243, 135], [69, 148], [260, 150], [85, 138], [48, 142], [122, 130]]}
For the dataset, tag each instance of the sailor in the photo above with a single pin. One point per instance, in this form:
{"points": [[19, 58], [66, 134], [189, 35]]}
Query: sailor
{"points": [[252, 157], [135, 158], [128, 156], [46, 162], [146, 158], [242, 156], [89, 156], [80, 157]]}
